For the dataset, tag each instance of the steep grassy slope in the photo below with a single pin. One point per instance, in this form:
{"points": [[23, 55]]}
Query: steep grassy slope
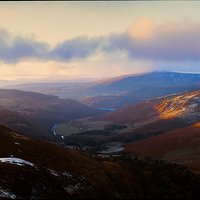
{"points": [[160, 114], [180, 145], [56, 172]]}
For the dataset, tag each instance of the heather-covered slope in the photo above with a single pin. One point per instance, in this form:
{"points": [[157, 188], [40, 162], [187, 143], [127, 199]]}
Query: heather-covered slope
{"points": [[165, 113], [180, 145], [140, 121], [32, 168]]}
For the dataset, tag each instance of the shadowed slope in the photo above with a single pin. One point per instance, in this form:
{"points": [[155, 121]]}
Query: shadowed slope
{"points": [[56, 172], [181, 146]]}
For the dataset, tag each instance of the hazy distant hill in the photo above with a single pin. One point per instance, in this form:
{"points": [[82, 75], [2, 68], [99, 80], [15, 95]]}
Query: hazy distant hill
{"points": [[62, 89], [131, 82], [119, 91], [35, 114], [34, 169], [122, 91]]}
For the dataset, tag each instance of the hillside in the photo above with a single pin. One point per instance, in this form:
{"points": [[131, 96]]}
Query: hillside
{"points": [[168, 122], [170, 111], [33, 168], [135, 122], [35, 114], [131, 82], [62, 89], [127, 90], [179, 145]]}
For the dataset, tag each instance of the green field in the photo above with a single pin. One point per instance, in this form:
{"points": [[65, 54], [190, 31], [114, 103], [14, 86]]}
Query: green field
{"points": [[79, 126], [66, 129]]}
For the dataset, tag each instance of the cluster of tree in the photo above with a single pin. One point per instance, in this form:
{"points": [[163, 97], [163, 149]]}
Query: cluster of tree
{"points": [[112, 127]]}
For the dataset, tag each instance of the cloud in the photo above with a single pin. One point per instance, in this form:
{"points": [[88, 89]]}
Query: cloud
{"points": [[141, 29], [14, 49], [81, 47], [169, 41]]}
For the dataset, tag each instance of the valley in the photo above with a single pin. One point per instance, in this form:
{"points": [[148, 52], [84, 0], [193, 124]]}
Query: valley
{"points": [[153, 132], [35, 114], [99, 100], [149, 119]]}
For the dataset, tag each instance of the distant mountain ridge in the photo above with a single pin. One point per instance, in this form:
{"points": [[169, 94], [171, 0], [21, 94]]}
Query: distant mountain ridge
{"points": [[132, 89], [119, 91]]}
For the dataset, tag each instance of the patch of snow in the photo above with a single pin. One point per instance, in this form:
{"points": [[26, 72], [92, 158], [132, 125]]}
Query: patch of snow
{"points": [[82, 178], [54, 132], [67, 174], [71, 189], [54, 126], [193, 105], [71, 147], [6, 194], [53, 172], [34, 193], [17, 143], [16, 161]]}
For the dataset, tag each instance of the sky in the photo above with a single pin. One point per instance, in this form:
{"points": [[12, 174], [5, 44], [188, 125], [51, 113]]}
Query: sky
{"points": [[58, 41]]}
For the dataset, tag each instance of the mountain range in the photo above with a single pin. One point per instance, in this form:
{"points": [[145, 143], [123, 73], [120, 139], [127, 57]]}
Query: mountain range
{"points": [[134, 136], [119, 91], [123, 91]]}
